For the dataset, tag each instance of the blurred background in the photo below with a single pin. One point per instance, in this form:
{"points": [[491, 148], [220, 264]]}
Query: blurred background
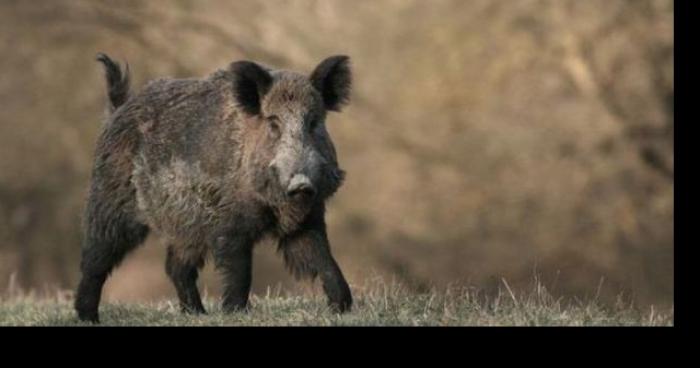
{"points": [[485, 139]]}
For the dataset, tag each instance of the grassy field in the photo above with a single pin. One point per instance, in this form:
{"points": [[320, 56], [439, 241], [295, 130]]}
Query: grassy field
{"points": [[383, 304]]}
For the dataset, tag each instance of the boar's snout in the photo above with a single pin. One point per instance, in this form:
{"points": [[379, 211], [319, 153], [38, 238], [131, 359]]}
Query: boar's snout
{"points": [[300, 186]]}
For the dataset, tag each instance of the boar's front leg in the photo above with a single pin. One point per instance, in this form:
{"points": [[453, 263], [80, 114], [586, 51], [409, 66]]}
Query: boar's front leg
{"points": [[183, 270], [307, 253], [233, 255]]}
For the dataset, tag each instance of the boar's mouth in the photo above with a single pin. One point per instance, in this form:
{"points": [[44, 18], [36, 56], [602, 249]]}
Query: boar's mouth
{"points": [[291, 211], [301, 191]]}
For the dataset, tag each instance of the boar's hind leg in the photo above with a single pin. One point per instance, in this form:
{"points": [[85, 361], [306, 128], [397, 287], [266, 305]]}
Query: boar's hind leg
{"points": [[183, 272], [109, 237], [234, 257], [307, 254]]}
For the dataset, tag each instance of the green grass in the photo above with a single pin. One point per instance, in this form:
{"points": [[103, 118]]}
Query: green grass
{"points": [[382, 304]]}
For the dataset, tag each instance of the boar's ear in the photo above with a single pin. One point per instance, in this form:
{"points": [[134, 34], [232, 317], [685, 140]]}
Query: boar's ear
{"points": [[332, 78], [251, 82]]}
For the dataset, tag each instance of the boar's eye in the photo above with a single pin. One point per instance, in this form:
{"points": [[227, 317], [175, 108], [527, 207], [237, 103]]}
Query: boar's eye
{"points": [[274, 126]]}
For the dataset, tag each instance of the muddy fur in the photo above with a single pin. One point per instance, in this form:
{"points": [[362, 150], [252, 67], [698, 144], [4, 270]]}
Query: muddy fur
{"points": [[208, 165]]}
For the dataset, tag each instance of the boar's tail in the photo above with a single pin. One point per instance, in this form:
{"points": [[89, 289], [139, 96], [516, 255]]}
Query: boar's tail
{"points": [[117, 83]]}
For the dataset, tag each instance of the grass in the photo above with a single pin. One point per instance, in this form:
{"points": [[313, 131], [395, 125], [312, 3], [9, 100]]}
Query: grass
{"points": [[381, 304]]}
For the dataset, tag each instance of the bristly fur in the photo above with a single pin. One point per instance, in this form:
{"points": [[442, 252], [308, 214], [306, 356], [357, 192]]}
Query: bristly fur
{"points": [[207, 163], [117, 83]]}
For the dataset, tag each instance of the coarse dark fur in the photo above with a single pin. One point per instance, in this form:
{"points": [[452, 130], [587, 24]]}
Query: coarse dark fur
{"points": [[117, 83], [215, 165]]}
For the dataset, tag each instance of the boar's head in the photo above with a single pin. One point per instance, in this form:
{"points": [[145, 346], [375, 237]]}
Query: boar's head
{"points": [[293, 153]]}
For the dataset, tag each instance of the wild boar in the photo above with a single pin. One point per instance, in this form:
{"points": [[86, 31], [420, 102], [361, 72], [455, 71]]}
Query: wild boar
{"points": [[214, 165]]}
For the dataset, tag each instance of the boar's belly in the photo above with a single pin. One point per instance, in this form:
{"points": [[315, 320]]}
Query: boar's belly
{"points": [[179, 199]]}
